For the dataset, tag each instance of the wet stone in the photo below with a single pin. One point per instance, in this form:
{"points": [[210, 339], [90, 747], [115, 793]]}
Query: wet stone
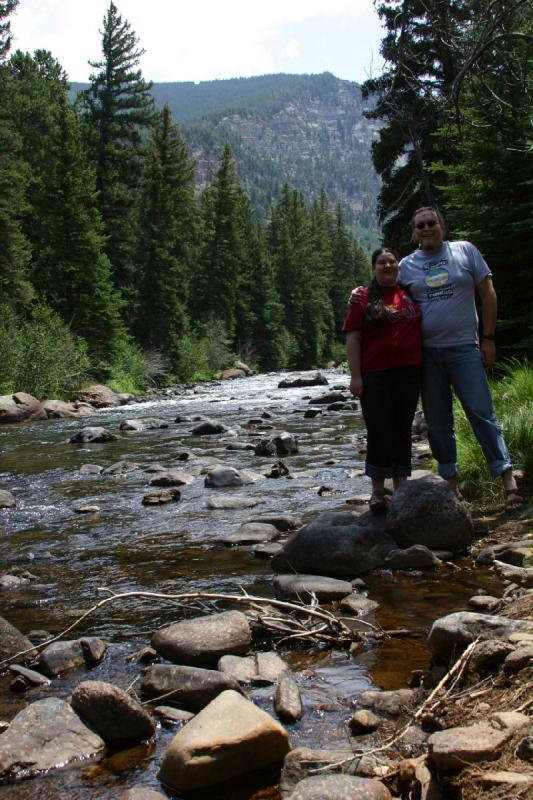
{"points": [[93, 435], [143, 424], [358, 604], [12, 642], [303, 587], [91, 469], [416, 557], [340, 787], [161, 497], [6, 499], [29, 676], [250, 533], [46, 735], [60, 657], [267, 551], [483, 602], [171, 478], [392, 703], [121, 468], [191, 688], [235, 502], [260, 668], [229, 738], [174, 716], [141, 793], [203, 640], [111, 712], [87, 509], [364, 721], [287, 700], [283, 522]]}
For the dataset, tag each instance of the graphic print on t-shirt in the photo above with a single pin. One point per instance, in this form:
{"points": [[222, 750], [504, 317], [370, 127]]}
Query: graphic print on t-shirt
{"points": [[436, 279]]}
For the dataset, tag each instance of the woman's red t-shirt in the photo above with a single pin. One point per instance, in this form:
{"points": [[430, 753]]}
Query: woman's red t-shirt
{"points": [[392, 342]]}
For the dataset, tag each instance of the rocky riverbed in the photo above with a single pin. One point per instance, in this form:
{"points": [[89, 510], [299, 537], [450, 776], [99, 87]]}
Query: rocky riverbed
{"points": [[203, 492]]}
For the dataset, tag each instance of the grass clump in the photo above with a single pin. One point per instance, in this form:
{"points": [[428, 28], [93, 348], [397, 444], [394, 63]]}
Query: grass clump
{"points": [[512, 392]]}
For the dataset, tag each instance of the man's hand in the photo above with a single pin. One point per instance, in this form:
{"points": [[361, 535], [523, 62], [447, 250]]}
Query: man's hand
{"points": [[356, 296], [356, 386], [488, 352]]}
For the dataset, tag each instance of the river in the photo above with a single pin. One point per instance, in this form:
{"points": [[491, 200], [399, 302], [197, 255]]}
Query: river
{"points": [[173, 548]]}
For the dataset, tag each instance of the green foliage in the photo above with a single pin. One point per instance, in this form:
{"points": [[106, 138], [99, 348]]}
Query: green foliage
{"points": [[205, 352], [128, 371], [512, 393], [118, 111], [40, 355]]}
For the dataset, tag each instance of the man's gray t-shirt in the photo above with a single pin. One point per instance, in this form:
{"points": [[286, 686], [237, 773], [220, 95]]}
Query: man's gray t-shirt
{"points": [[443, 285]]}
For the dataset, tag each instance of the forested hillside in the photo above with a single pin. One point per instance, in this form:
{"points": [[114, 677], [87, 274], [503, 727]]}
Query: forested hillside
{"points": [[117, 267], [309, 130]]}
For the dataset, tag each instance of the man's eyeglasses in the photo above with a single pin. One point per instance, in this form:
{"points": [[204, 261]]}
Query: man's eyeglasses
{"points": [[430, 223]]}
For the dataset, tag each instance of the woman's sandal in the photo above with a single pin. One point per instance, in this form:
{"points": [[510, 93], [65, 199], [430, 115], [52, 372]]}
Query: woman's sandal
{"points": [[513, 499]]}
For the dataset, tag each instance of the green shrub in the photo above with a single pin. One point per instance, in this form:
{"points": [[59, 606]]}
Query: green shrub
{"points": [[512, 392], [193, 359], [128, 371], [40, 355]]}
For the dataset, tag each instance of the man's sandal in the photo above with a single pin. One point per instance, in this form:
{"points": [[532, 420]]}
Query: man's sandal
{"points": [[513, 499]]}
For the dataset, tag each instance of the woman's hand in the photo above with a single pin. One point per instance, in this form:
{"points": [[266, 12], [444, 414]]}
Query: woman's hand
{"points": [[356, 386], [356, 296]]}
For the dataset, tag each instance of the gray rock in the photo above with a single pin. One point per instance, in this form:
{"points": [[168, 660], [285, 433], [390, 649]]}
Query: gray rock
{"points": [[233, 502], [308, 379], [250, 533], [287, 700], [171, 477], [483, 602], [91, 469], [10, 582], [141, 793], [143, 424], [311, 413], [451, 634], [46, 735], [455, 747], [87, 510], [426, 511], [59, 657], [13, 642], [161, 497], [59, 409], [283, 522], [520, 659], [416, 557], [121, 468], [219, 477], [328, 398], [340, 787], [111, 712], [364, 721], [191, 688], [203, 640], [6, 499], [93, 436], [259, 668], [20, 407], [302, 587], [240, 446], [99, 396], [393, 702], [209, 428], [268, 550], [25, 678], [229, 738], [358, 604], [284, 444], [302, 760], [488, 655], [341, 545], [520, 575], [172, 715]]}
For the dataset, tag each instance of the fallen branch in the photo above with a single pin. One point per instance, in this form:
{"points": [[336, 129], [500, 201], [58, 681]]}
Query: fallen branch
{"points": [[333, 630]]}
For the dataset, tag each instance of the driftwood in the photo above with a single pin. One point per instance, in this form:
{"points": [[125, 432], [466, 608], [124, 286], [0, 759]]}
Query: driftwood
{"points": [[300, 622]]}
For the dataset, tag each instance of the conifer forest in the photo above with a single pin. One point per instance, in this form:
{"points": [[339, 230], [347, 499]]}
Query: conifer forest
{"points": [[115, 268]]}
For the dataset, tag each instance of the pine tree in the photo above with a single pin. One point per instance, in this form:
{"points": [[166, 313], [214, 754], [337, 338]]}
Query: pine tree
{"points": [[224, 258], [167, 241], [118, 111], [15, 253], [350, 267]]}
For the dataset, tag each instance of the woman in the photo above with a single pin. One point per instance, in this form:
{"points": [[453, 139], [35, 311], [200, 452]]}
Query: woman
{"points": [[385, 354]]}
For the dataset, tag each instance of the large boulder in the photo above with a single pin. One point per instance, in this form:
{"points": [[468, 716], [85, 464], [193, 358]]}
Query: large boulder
{"points": [[60, 657], [229, 738], [59, 409], [93, 435], [307, 379], [46, 735], [426, 511], [338, 544], [203, 640], [451, 634], [20, 407], [99, 396], [111, 712], [12, 641], [191, 688]]}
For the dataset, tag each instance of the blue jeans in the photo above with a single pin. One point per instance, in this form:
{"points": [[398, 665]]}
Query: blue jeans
{"points": [[461, 368]]}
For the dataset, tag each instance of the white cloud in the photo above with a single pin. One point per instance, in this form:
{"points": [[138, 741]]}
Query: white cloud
{"points": [[292, 49], [183, 40]]}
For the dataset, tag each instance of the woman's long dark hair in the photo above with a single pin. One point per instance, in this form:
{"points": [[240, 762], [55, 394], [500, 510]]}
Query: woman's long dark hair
{"points": [[375, 310]]}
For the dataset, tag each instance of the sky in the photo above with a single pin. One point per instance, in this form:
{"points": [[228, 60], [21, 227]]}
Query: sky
{"points": [[198, 40]]}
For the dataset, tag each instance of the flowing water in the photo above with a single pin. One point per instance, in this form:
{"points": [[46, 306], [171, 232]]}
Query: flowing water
{"points": [[173, 548]]}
